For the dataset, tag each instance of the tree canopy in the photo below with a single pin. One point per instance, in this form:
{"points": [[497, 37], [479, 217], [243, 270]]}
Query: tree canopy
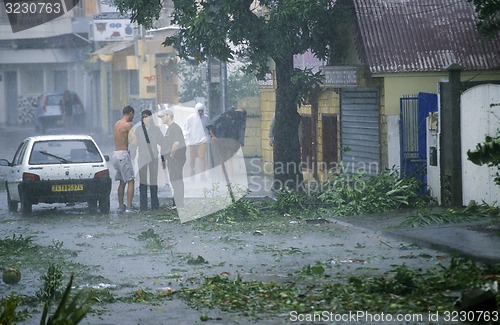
{"points": [[489, 16], [254, 32]]}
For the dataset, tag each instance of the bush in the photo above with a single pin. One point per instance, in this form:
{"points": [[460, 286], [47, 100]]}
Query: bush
{"points": [[350, 194]]}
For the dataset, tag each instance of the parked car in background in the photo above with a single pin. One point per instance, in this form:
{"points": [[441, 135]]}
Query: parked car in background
{"points": [[58, 169], [50, 114]]}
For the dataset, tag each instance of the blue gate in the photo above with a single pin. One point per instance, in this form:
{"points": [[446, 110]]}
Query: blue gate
{"points": [[414, 111]]}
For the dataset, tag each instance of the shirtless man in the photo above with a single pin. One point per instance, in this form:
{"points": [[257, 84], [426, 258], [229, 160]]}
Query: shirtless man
{"points": [[122, 161]]}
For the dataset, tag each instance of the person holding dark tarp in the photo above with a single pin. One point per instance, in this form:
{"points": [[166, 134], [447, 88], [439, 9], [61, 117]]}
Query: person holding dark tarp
{"points": [[230, 131], [149, 137]]}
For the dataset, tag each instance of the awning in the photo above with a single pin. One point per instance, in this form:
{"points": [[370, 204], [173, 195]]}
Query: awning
{"points": [[106, 53]]}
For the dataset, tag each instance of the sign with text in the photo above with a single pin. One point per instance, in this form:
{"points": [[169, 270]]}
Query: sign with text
{"points": [[340, 76]]}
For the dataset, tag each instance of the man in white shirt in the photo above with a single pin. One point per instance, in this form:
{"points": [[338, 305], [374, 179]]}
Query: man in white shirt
{"points": [[198, 131]]}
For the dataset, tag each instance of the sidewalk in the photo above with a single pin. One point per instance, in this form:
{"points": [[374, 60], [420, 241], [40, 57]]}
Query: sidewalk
{"points": [[479, 240]]}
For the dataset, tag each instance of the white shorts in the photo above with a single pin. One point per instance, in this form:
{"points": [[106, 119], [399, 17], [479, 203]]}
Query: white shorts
{"points": [[122, 162]]}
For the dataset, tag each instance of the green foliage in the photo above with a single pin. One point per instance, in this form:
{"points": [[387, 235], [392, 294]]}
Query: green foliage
{"points": [[148, 234], [71, 310], [400, 290], [487, 153], [193, 83], [240, 85], [421, 219], [472, 212], [153, 240], [350, 194], [15, 244], [401, 280], [488, 11], [237, 211], [305, 81], [52, 284], [241, 210], [8, 310], [289, 201], [144, 11], [316, 269]]}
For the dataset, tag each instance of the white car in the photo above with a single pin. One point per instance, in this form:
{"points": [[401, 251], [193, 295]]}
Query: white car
{"points": [[58, 169]]}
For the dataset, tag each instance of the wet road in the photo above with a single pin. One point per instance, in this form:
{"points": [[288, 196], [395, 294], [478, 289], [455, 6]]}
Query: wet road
{"points": [[109, 245]]}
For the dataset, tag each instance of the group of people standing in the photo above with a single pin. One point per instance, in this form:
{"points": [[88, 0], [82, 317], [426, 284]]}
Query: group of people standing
{"points": [[145, 141]]}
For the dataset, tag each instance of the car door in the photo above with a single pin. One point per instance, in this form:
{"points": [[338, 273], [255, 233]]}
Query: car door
{"points": [[15, 175]]}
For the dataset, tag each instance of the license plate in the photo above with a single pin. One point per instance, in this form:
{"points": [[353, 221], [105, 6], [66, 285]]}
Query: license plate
{"points": [[67, 187]]}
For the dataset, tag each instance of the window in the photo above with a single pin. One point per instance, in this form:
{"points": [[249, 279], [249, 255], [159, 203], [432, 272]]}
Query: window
{"points": [[18, 157], [64, 151]]}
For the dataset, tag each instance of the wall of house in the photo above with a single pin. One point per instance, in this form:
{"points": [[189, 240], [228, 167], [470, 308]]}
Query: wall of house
{"points": [[329, 103], [267, 106], [115, 76], [398, 85], [35, 79], [252, 147]]}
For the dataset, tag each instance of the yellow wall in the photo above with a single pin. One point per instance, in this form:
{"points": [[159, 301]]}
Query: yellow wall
{"points": [[329, 103], [267, 106], [120, 66], [392, 88], [252, 146], [399, 84], [90, 8]]}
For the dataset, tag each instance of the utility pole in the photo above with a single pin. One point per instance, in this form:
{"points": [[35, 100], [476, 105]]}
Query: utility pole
{"points": [[217, 87]]}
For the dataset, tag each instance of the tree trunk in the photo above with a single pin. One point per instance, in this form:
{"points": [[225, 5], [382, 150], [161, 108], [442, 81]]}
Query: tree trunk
{"points": [[287, 162]]}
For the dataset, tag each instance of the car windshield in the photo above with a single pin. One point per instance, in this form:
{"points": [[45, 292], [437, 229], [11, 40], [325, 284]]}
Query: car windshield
{"points": [[64, 152]]}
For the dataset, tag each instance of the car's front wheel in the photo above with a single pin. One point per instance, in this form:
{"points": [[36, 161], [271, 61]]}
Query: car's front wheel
{"points": [[26, 205], [104, 204], [11, 203]]}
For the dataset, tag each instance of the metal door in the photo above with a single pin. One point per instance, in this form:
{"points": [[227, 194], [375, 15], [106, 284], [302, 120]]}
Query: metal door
{"points": [[414, 111], [360, 130]]}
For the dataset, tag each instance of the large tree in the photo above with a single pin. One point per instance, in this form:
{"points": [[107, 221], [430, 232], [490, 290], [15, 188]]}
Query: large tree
{"points": [[489, 16], [257, 32]]}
